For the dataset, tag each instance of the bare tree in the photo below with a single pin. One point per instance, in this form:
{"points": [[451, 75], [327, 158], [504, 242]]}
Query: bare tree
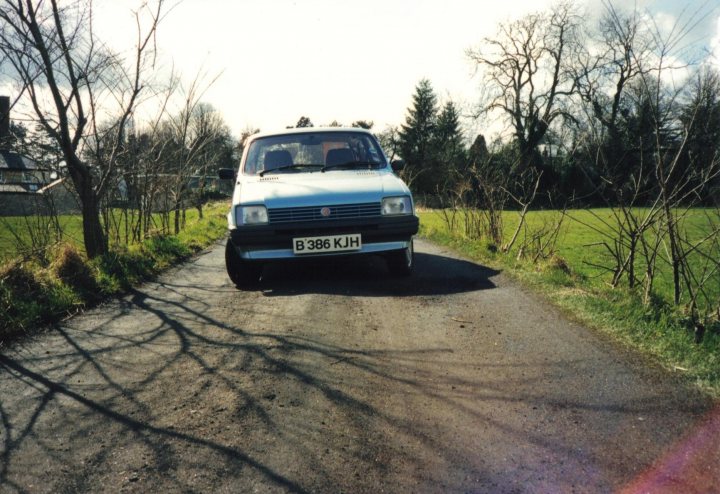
{"points": [[652, 166], [623, 123], [389, 141], [190, 134], [77, 87], [527, 67], [215, 148], [524, 202], [625, 47]]}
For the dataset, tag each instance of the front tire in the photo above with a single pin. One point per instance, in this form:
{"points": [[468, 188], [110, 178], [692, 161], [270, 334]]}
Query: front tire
{"points": [[402, 262], [244, 274]]}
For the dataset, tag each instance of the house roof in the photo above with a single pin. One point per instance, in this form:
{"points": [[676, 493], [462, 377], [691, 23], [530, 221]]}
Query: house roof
{"points": [[14, 161], [13, 189]]}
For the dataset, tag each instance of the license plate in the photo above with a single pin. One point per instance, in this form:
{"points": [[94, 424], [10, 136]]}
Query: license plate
{"points": [[330, 243]]}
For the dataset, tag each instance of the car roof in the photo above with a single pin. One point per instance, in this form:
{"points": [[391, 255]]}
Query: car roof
{"points": [[309, 130]]}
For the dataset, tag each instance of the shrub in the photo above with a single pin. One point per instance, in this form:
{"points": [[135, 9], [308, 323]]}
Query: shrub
{"points": [[73, 269], [20, 292], [558, 263], [18, 278]]}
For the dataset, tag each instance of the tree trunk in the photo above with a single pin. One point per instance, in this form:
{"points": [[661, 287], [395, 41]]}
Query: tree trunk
{"points": [[631, 260], [675, 256], [93, 235], [176, 217]]}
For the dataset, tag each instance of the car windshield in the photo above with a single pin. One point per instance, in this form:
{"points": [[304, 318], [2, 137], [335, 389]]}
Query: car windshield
{"points": [[313, 152]]}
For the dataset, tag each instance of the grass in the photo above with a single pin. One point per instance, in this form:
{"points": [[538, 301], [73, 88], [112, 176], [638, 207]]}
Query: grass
{"points": [[15, 232], [15, 236], [568, 280], [44, 289]]}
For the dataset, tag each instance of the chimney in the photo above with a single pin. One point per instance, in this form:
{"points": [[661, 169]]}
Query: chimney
{"points": [[4, 117]]}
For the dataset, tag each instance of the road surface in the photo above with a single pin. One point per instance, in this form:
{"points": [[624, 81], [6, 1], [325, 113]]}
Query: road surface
{"points": [[335, 378]]}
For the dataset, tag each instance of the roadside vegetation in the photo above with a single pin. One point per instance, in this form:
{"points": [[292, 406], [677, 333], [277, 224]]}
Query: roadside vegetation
{"points": [[44, 286], [567, 272]]}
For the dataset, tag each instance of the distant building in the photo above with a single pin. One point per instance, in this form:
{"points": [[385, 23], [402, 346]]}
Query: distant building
{"points": [[27, 188], [19, 174]]}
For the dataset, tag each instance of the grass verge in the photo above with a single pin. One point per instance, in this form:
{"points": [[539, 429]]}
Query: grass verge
{"points": [[34, 293], [659, 331]]}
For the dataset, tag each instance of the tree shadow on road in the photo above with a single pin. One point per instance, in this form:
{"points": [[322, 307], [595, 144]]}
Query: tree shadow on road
{"points": [[173, 390], [369, 276], [86, 387]]}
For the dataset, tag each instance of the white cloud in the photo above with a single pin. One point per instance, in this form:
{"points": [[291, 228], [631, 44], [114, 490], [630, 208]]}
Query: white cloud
{"points": [[715, 46]]}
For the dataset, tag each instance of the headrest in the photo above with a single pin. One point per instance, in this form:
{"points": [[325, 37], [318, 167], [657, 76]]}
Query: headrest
{"points": [[276, 159], [339, 156]]}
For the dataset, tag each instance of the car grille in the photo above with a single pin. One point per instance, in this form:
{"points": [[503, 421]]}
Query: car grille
{"points": [[313, 213]]}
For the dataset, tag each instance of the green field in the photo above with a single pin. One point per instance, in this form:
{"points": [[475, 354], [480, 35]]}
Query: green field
{"points": [[660, 330], [14, 232], [15, 236], [579, 240]]}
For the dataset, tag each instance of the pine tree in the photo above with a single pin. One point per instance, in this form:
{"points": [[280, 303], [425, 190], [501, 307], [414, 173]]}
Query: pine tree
{"points": [[416, 137], [478, 152], [304, 122], [449, 145]]}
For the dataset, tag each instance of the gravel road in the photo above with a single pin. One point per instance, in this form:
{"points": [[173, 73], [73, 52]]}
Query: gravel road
{"points": [[334, 378]]}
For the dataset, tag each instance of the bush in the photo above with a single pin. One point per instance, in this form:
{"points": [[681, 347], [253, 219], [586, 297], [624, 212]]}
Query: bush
{"points": [[23, 299], [17, 277], [166, 250], [72, 269]]}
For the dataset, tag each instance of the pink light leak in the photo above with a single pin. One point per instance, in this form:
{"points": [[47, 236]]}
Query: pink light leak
{"points": [[691, 466]]}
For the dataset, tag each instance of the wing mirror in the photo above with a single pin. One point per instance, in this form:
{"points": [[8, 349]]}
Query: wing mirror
{"points": [[397, 165], [226, 174]]}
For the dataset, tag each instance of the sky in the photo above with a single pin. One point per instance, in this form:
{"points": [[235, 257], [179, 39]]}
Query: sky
{"points": [[342, 60]]}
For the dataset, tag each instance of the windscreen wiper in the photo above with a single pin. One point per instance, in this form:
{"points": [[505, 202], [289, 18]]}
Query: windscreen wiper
{"points": [[296, 166], [351, 164]]}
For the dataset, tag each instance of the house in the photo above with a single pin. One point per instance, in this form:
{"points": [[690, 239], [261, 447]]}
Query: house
{"points": [[26, 188], [19, 174]]}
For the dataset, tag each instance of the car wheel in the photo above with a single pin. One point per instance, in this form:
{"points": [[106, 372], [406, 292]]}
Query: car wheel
{"points": [[243, 274], [402, 262]]}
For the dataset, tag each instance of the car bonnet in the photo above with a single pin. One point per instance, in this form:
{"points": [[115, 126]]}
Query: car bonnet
{"points": [[310, 189]]}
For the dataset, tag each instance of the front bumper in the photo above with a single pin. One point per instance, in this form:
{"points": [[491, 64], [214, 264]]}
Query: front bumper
{"points": [[267, 242]]}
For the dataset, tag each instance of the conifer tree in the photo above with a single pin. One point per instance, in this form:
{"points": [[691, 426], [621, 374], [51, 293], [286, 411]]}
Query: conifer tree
{"points": [[416, 137], [449, 145]]}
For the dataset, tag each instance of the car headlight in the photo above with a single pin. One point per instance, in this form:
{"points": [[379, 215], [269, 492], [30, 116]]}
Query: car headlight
{"points": [[252, 215], [396, 205]]}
